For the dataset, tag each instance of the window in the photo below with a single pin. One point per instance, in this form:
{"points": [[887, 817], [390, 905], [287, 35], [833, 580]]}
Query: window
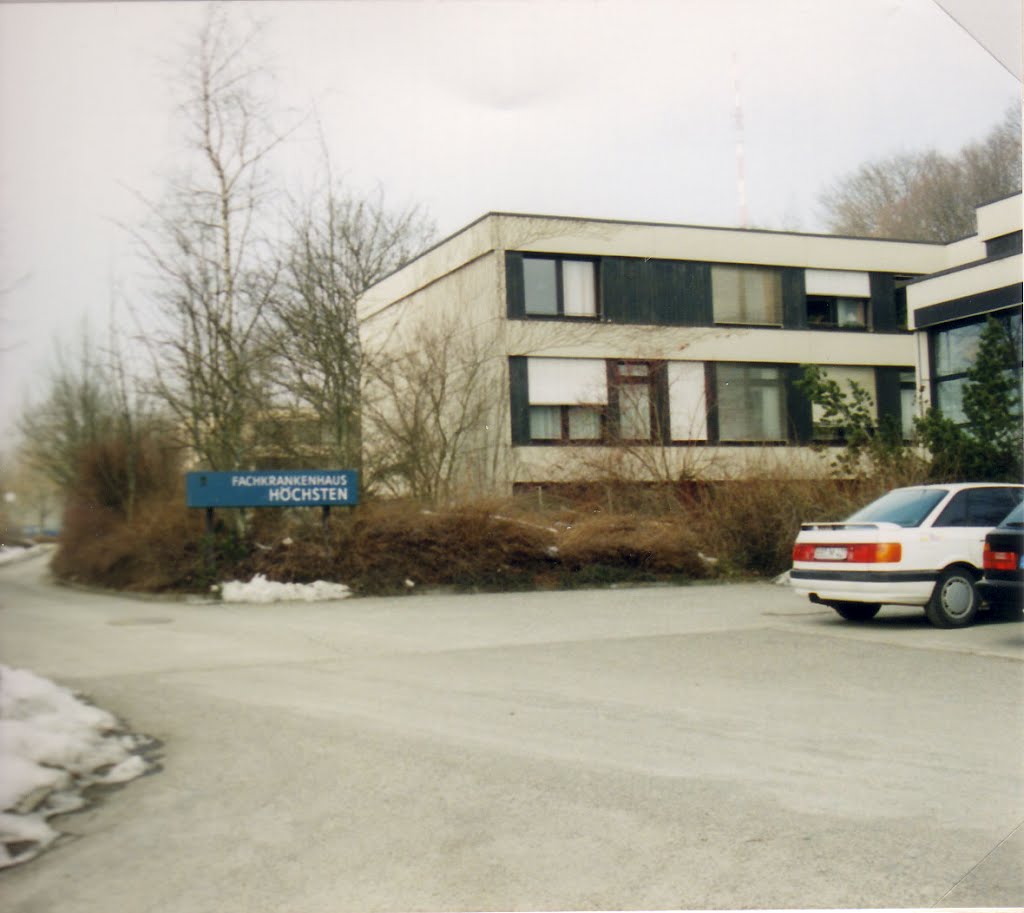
{"points": [[949, 397], [559, 287], [837, 298], [634, 386], [746, 295], [979, 507], [751, 403], [957, 348], [545, 423], [540, 280], [687, 399], [899, 294], [826, 431], [954, 351], [908, 402], [635, 412], [907, 507], [567, 399], [1004, 245], [566, 423], [847, 313]]}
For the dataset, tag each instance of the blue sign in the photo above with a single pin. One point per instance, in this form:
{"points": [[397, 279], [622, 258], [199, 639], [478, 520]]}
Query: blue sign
{"points": [[273, 488]]}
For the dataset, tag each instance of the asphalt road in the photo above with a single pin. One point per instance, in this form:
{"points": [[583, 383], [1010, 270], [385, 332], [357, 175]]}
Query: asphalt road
{"points": [[703, 747]]}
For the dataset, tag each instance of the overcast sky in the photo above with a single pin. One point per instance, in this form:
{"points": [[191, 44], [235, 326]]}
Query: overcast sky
{"points": [[621, 109]]}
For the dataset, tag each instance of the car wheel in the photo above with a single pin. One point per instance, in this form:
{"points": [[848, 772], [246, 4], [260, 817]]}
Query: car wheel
{"points": [[954, 601], [856, 611]]}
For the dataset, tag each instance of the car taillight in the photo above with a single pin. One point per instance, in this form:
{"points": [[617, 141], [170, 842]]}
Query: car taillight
{"points": [[859, 553], [803, 552], [876, 552], [999, 559]]}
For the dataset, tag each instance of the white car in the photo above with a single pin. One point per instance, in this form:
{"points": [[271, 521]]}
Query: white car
{"points": [[919, 546]]}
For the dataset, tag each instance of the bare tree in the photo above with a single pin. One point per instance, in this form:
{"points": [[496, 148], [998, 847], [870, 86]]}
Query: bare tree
{"points": [[341, 244], [212, 254], [77, 412], [139, 453], [95, 431], [927, 196], [30, 499], [429, 409]]}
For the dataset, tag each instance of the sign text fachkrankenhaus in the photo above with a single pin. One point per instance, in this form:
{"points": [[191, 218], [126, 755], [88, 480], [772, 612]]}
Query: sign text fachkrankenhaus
{"points": [[273, 488]]}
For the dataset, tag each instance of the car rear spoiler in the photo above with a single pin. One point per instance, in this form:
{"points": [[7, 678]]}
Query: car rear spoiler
{"points": [[842, 524]]}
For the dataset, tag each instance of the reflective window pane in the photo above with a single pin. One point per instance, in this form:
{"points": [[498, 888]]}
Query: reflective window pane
{"points": [[746, 295], [908, 407], [750, 403], [584, 424], [851, 312], [545, 423], [578, 288], [541, 287], [957, 348], [950, 397], [987, 506], [635, 412]]}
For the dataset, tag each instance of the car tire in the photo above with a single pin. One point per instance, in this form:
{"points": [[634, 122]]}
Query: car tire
{"points": [[856, 611], [955, 599]]}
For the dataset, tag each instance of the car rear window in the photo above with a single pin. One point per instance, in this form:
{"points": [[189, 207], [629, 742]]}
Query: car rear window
{"points": [[905, 506], [1015, 517], [983, 507]]}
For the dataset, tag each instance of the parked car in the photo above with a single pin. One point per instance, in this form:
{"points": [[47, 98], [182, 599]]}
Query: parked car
{"points": [[1002, 583], [918, 546]]}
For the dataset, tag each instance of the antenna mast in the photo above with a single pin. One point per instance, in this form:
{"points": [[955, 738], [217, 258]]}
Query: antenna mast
{"points": [[741, 178]]}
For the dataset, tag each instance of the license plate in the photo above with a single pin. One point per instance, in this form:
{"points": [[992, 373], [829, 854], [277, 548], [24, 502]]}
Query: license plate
{"points": [[830, 553]]}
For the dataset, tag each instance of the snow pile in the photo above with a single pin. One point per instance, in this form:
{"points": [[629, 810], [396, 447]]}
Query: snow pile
{"points": [[52, 747], [11, 553], [259, 589]]}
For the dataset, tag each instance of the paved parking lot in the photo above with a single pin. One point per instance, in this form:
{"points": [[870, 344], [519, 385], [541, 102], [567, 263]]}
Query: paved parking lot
{"points": [[663, 748]]}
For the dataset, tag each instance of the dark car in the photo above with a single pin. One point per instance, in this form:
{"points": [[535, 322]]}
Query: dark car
{"points": [[1002, 583]]}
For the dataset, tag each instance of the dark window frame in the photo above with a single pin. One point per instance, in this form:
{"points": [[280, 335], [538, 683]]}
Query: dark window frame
{"points": [[1005, 317], [831, 304], [558, 260], [618, 381], [778, 275], [782, 383], [564, 439]]}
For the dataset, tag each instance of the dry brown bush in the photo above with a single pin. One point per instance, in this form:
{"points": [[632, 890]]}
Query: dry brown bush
{"points": [[126, 525], [660, 545], [158, 549], [751, 525], [119, 473], [381, 546]]}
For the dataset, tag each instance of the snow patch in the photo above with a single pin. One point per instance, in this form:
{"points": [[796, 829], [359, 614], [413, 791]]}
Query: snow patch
{"points": [[261, 590], [131, 767], [53, 746], [9, 554]]}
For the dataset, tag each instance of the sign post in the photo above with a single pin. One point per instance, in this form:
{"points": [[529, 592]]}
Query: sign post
{"points": [[273, 488], [323, 488]]}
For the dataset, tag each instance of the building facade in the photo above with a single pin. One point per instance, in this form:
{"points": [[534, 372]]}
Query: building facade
{"points": [[948, 309], [654, 351]]}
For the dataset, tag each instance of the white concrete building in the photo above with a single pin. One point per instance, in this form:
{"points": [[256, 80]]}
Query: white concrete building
{"points": [[659, 351], [948, 309]]}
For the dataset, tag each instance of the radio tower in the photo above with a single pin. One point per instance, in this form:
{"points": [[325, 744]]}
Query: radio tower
{"points": [[741, 178]]}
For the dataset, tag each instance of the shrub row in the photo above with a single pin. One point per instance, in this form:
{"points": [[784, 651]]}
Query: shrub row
{"points": [[739, 528]]}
